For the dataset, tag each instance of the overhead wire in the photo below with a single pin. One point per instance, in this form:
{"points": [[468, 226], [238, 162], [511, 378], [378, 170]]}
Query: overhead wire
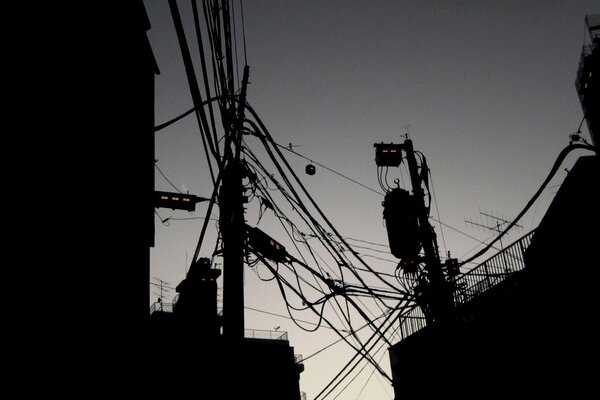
{"points": [[286, 317], [194, 88], [243, 31], [167, 179], [274, 204], [205, 75], [359, 351], [270, 139], [551, 174], [355, 306], [337, 341], [437, 210], [235, 49], [371, 374], [329, 169], [373, 336]]}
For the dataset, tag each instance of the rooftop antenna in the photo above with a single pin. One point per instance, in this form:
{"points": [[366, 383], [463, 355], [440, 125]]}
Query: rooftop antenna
{"points": [[495, 224], [407, 128], [163, 287]]}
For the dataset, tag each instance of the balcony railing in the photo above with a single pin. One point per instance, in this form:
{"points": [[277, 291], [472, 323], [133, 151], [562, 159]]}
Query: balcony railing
{"points": [[161, 307], [263, 334], [475, 282]]}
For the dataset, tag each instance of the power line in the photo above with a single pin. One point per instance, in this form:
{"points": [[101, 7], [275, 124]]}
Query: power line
{"points": [[244, 31], [286, 317], [437, 210], [365, 241], [167, 179], [339, 340], [373, 336], [551, 174], [329, 169]]}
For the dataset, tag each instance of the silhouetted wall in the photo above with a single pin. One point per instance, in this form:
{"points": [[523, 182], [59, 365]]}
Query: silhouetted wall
{"points": [[196, 306], [531, 334]]}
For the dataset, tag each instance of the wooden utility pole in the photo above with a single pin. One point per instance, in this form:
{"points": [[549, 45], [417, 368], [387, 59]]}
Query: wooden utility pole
{"points": [[439, 294], [233, 227]]}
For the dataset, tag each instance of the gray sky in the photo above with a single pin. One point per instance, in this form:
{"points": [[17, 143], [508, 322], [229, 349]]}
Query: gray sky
{"points": [[487, 88]]}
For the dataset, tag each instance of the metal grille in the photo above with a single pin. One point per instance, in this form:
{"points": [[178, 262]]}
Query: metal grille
{"points": [[476, 281]]}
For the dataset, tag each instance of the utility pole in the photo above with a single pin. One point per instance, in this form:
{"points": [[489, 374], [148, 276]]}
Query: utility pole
{"points": [[232, 224], [409, 230], [438, 291]]}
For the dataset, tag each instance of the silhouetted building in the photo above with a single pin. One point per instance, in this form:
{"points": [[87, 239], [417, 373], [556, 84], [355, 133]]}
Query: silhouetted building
{"points": [[106, 202], [199, 359], [588, 78], [523, 321], [196, 305]]}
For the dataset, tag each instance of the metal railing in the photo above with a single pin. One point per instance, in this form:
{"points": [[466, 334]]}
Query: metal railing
{"points": [[492, 271], [161, 307], [412, 322], [475, 282], [263, 334]]}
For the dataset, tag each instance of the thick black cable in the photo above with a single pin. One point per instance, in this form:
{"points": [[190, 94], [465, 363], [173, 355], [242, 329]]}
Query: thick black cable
{"points": [[228, 50], [356, 307], [235, 49], [270, 138], [342, 292], [205, 76], [213, 200], [244, 31], [359, 351], [286, 317], [555, 167], [348, 300], [193, 84], [370, 375], [355, 365], [293, 203], [337, 341], [303, 207], [172, 121], [298, 202]]}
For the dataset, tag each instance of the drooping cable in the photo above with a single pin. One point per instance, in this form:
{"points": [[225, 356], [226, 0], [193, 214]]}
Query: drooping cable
{"points": [[372, 337], [270, 139], [213, 200], [167, 179], [359, 351], [330, 170], [555, 167], [244, 31], [193, 85], [205, 76], [437, 210]]}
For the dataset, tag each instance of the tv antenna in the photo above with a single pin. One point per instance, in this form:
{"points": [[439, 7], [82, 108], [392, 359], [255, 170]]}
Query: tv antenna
{"points": [[495, 224], [407, 128], [162, 286]]}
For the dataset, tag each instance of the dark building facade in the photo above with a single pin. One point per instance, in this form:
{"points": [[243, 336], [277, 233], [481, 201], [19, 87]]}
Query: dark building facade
{"points": [[529, 332], [523, 320], [201, 361]]}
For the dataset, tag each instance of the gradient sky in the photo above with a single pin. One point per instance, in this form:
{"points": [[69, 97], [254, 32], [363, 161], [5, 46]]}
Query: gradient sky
{"points": [[485, 89]]}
